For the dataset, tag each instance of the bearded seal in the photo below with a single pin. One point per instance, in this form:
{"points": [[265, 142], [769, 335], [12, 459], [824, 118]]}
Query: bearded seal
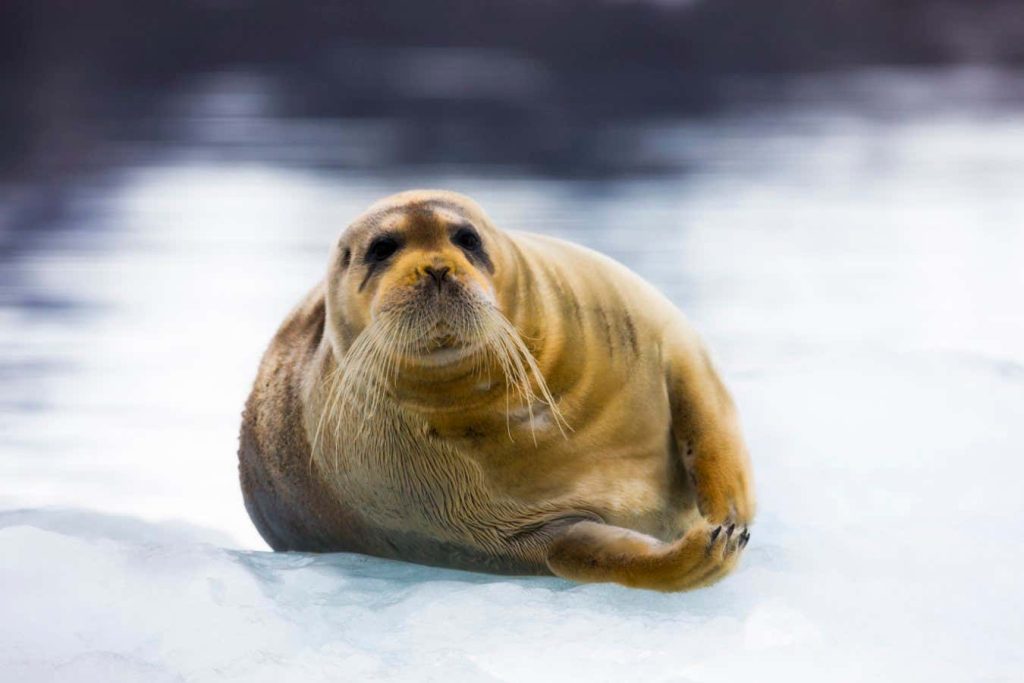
{"points": [[457, 395]]}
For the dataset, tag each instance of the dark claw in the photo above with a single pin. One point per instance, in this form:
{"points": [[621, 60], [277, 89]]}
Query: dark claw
{"points": [[732, 527], [744, 538], [714, 534]]}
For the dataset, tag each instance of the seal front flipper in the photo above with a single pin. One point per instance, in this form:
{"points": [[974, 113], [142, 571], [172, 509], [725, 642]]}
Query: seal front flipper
{"points": [[595, 552], [706, 431]]}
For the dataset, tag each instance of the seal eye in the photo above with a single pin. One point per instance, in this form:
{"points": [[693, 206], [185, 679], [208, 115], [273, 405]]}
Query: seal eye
{"points": [[381, 248], [467, 239]]}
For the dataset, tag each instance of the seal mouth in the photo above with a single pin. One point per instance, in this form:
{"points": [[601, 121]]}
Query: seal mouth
{"points": [[441, 324], [438, 357], [442, 347]]}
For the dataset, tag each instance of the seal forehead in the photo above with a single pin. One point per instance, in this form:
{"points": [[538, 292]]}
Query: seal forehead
{"points": [[453, 200], [441, 205]]}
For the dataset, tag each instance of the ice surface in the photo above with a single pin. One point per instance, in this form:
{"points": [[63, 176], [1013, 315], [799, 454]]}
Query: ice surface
{"points": [[888, 548], [859, 279]]}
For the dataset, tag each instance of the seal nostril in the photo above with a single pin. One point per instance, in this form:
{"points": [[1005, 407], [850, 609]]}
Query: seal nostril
{"points": [[439, 274]]}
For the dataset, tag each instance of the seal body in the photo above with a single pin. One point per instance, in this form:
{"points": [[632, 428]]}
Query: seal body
{"points": [[457, 395]]}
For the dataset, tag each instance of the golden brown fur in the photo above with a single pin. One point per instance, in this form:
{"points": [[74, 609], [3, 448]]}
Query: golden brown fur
{"points": [[523, 405]]}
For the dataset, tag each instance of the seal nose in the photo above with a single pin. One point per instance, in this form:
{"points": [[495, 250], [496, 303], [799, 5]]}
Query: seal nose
{"points": [[439, 273]]}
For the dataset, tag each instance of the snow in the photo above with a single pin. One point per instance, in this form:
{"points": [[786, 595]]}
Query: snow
{"points": [[862, 296]]}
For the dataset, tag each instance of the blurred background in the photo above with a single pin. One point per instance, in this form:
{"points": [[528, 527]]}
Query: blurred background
{"points": [[805, 179], [832, 191]]}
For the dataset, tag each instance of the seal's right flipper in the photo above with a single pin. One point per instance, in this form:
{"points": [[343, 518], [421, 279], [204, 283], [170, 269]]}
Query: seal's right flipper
{"points": [[595, 552]]}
